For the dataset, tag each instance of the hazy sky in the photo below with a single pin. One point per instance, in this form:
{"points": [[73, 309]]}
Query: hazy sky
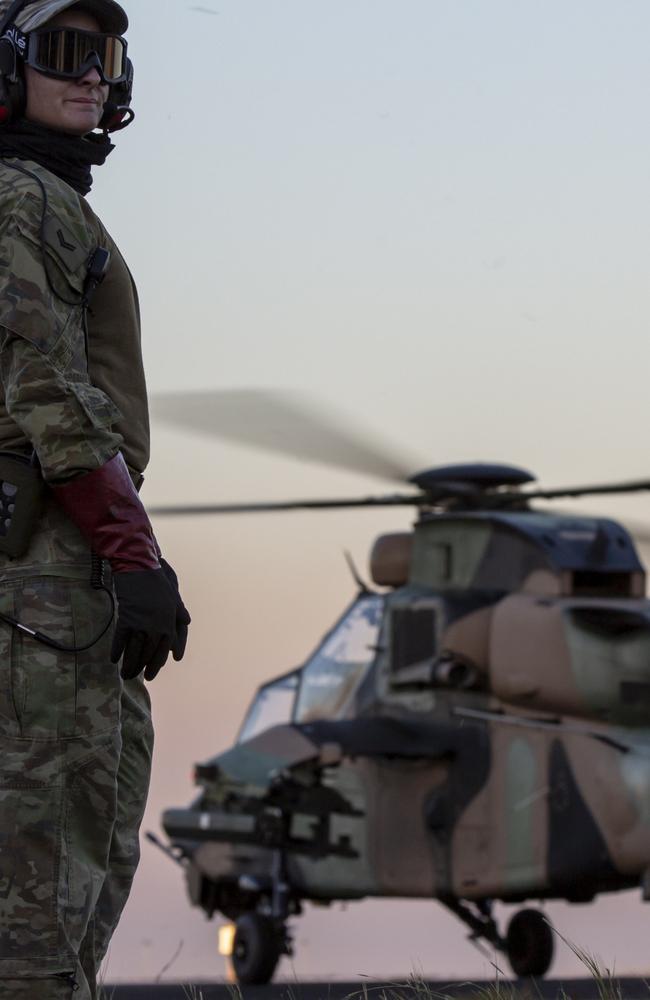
{"points": [[434, 217]]}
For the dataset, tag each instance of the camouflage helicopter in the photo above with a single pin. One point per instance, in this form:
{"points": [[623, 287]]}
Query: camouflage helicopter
{"points": [[475, 727]]}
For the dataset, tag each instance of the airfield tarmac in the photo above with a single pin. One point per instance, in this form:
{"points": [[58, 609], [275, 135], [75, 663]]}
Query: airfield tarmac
{"points": [[542, 989]]}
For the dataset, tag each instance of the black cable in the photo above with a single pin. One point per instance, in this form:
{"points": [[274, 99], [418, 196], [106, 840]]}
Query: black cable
{"points": [[97, 583], [47, 640]]}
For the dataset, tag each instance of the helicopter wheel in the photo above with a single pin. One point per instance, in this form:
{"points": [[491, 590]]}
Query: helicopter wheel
{"points": [[529, 943], [256, 949]]}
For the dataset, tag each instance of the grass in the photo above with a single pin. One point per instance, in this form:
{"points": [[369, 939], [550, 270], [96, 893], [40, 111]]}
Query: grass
{"points": [[416, 988], [192, 993], [606, 983]]}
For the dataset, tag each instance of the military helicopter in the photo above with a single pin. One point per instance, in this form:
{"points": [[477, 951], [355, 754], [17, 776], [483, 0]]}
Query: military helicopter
{"points": [[475, 727]]}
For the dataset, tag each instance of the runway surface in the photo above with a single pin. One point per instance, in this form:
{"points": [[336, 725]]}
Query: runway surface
{"points": [[548, 989]]}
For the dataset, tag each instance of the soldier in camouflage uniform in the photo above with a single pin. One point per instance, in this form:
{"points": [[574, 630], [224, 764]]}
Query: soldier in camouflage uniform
{"points": [[75, 728]]}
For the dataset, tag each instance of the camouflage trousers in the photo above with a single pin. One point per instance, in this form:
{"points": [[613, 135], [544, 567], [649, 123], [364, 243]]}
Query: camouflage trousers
{"points": [[75, 756]]}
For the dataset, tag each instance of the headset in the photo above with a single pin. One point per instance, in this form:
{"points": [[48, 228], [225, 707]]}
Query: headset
{"points": [[117, 110]]}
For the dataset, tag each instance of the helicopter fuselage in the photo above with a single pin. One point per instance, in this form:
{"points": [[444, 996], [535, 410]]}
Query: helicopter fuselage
{"points": [[479, 732]]}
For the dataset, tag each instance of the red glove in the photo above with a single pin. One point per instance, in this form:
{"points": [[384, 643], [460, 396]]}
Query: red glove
{"points": [[107, 510]]}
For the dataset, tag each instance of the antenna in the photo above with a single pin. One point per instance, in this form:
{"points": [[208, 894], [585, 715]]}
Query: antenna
{"points": [[356, 576]]}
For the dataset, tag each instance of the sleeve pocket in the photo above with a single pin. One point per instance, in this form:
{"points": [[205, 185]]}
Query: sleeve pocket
{"points": [[97, 406]]}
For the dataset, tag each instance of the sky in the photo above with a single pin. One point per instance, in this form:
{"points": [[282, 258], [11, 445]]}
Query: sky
{"points": [[432, 216]]}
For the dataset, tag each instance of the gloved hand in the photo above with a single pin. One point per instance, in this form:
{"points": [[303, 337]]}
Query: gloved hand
{"points": [[152, 619], [183, 619], [146, 622]]}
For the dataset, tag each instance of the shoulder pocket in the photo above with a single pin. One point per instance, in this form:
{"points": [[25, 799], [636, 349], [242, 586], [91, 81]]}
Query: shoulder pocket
{"points": [[68, 251], [64, 246], [39, 298]]}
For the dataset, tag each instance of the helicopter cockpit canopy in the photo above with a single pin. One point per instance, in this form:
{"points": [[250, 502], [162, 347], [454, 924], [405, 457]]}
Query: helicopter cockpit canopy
{"points": [[272, 706], [332, 675], [325, 686]]}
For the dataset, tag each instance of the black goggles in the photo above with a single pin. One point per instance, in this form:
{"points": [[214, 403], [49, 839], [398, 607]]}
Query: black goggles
{"points": [[69, 53]]}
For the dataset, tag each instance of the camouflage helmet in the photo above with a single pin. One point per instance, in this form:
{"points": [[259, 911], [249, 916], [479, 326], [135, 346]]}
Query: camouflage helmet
{"points": [[36, 13]]}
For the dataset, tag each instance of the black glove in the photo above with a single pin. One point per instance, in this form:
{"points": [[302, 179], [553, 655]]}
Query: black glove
{"points": [[146, 622], [182, 614]]}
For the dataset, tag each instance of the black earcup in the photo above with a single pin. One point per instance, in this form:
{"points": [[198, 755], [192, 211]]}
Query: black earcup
{"points": [[8, 57], [12, 87], [5, 103]]}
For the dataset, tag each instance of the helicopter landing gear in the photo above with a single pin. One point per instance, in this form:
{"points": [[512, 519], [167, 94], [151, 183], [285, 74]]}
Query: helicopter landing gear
{"points": [[262, 936], [256, 949], [480, 921], [528, 942]]}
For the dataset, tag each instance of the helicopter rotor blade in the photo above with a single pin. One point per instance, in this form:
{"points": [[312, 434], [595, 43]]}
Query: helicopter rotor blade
{"points": [[282, 422], [412, 500], [633, 486]]}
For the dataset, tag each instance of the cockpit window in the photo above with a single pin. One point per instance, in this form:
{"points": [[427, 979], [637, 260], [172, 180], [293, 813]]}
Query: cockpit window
{"points": [[334, 672], [272, 706]]}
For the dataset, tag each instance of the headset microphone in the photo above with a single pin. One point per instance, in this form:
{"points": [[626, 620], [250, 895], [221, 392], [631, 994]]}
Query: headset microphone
{"points": [[116, 117]]}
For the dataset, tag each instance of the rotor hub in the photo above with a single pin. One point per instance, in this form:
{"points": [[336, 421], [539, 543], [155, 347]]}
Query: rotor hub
{"points": [[470, 478]]}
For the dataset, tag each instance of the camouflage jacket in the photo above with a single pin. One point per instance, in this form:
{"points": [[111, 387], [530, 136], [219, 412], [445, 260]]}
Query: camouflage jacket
{"points": [[60, 382]]}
